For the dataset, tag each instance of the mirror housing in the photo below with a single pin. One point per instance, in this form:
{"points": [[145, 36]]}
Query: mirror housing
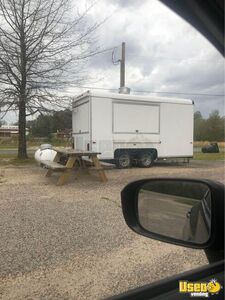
{"points": [[129, 199]]}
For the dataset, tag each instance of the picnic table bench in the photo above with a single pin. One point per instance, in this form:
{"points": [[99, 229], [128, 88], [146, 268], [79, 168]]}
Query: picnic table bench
{"points": [[53, 165], [74, 157]]}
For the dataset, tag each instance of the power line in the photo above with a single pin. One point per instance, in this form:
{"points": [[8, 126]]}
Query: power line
{"points": [[135, 55], [115, 62], [179, 93], [105, 50], [112, 49], [156, 92]]}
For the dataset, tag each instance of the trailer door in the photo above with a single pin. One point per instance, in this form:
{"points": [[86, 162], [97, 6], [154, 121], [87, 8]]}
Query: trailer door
{"points": [[81, 125]]}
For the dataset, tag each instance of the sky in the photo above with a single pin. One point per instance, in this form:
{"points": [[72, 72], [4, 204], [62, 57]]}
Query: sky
{"points": [[163, 53]]}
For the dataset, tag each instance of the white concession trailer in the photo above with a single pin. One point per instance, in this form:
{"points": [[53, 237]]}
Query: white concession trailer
{"points": [[126, 128]]}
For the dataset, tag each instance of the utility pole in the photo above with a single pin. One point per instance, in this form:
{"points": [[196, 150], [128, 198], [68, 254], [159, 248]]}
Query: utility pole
{"points": [[122, 66]]}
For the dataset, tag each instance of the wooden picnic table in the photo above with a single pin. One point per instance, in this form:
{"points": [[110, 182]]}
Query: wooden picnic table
{"points": [[75, 157]]}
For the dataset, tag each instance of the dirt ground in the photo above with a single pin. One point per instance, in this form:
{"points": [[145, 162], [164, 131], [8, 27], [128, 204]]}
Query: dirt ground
{"points": [[71, 242]]}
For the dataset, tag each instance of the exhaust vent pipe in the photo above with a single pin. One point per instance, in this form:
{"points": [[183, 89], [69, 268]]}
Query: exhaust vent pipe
{"points": [[124, 90]]}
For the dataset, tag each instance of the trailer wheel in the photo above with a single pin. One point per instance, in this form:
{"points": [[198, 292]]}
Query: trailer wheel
{"points": [[123, 160], [145, 160]]}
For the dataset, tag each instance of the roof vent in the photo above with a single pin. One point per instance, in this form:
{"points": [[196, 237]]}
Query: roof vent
{"points": [[124, 90]]}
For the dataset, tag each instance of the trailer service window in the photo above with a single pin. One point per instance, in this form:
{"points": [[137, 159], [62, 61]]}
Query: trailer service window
{"points": [[145, 118]]}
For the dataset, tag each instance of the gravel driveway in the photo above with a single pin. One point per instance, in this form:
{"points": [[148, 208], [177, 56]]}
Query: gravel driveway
{"points": [[71, 242]]}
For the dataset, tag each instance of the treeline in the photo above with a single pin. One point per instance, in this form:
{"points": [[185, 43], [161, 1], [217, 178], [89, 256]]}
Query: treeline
{"points": [[45, 125], [210, 129], [205, 129]]}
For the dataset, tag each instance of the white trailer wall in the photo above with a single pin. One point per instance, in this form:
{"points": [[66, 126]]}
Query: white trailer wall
{"points": [[81, 124], [109, 122], [101, 121], [123, 124], [176, 130]]}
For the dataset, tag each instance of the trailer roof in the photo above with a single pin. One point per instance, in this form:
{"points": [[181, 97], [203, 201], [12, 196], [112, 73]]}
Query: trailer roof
{"points": [[133, 97]]}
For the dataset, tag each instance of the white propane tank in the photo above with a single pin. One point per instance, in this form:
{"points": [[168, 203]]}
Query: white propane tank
{"points": [[44, 153]]}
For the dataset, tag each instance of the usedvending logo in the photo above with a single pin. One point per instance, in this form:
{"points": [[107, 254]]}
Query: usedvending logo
{"points": [[200, 289]]}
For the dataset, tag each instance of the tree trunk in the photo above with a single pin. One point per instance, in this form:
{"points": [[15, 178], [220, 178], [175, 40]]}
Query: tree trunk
{"points": [[22, 144]]}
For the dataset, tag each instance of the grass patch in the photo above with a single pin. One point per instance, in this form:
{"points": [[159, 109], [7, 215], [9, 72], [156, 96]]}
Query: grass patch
{"points": [[37, 145], [5, 156], [2, 146], [189, 202], [16, 161], [209, 156], [6, 159], [11, 143]]}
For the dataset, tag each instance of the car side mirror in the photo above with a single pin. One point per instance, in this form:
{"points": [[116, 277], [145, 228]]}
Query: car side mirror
{"points": [[185, 212]]}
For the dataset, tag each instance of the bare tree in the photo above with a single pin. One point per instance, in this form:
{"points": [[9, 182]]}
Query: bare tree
{"points": [[42, 49]]}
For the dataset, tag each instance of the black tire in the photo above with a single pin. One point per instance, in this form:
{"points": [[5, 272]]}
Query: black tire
{"points": [[123, 160], [145, 159]]}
